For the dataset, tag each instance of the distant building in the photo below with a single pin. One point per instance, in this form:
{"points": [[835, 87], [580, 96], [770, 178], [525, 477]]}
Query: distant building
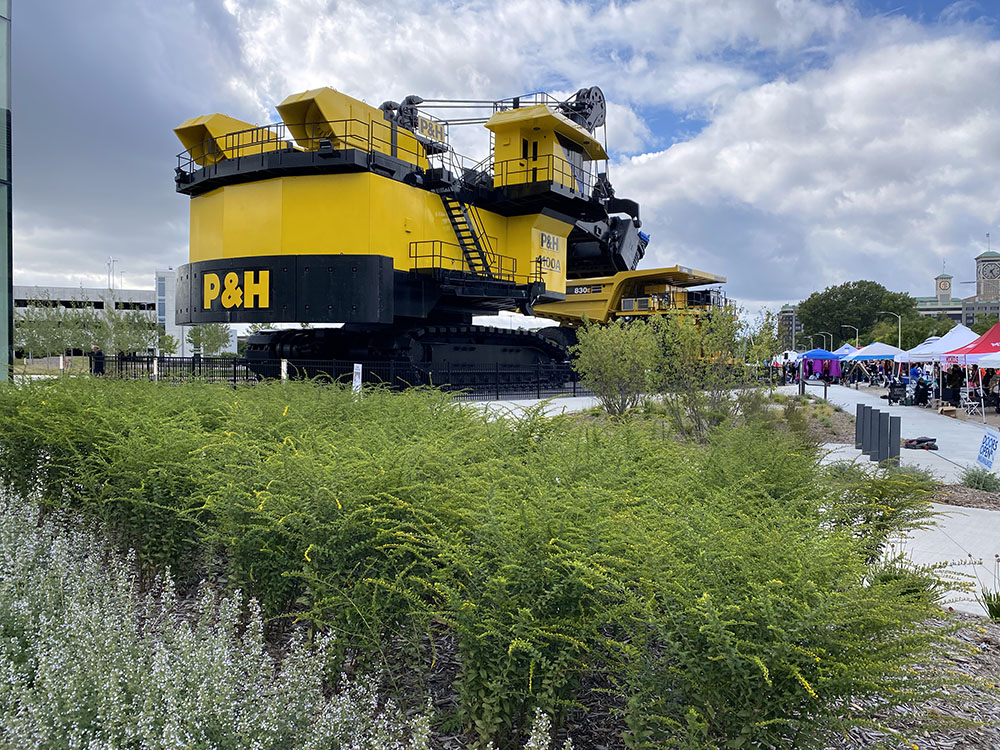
{"points": [[789, 326], [81, 297], [158, 303], [986, 300], [942, 303]]}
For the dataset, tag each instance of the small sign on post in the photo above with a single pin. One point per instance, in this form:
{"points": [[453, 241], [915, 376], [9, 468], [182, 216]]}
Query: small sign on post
{"points": [[988, 448], [356, 383]]}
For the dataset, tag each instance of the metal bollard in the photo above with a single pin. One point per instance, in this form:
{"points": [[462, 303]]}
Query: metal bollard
{"points": [[866, 435], [883, 437], [859, 420], [894, 434], [872, 449]]}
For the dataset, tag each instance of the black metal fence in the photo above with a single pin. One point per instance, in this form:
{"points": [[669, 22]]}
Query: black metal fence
{"points": [[477, 383]]}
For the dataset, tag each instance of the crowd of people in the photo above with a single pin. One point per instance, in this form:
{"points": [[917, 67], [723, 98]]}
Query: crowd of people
{"points": [[922, 382]]}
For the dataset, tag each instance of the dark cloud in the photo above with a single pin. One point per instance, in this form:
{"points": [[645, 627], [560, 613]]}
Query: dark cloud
{"points": [[97, 89]]}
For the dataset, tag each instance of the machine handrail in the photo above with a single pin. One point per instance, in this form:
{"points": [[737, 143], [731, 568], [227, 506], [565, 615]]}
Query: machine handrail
{"points": [[360, 135], [502, 267]]}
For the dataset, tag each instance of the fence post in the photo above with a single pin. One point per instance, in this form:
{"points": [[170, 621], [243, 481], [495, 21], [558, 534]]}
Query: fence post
{"points": [[858, 421], [883, 437], [235, 370], [894, 434], [538, 379], [284, 369], [496, 371]]}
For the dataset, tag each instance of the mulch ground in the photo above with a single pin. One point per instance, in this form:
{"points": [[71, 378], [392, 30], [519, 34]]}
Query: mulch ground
{"points": [[957, 494]]}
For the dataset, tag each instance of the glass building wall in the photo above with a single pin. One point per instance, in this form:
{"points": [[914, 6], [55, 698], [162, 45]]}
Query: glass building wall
{"points": [[6, 247]]}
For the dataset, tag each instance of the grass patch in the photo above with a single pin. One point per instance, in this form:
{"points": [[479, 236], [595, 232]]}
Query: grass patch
{"points": [[710, 593]]}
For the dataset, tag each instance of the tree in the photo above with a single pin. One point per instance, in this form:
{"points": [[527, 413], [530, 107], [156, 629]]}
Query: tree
{"points": [[710, 368], [617, 362], [45, 327], [209, 338], [855, 303], [916, 329], [984, 322], [167, 344]]}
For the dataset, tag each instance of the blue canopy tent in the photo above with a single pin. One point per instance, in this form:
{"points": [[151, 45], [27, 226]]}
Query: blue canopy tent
{"points": [[820, 362], [820, 354]]}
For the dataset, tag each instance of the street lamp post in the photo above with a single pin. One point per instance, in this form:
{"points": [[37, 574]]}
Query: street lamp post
{"points": [[899, 323], [810, 337], [825, 334], [855, 333]]}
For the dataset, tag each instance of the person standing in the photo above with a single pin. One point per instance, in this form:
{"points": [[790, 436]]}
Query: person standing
{"points": [[96, 360]]}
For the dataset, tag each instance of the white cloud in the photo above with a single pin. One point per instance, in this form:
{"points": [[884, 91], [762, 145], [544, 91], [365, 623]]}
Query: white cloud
{"points": [[883, 165], [837, 145]]}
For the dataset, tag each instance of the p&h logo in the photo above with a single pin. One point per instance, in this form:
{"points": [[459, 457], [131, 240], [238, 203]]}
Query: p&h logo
{"points": [[255, 290]]}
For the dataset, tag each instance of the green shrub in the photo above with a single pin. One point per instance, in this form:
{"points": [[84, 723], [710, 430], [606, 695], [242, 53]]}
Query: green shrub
{"points": [[713, 593], [980, 478], [617, 362]]}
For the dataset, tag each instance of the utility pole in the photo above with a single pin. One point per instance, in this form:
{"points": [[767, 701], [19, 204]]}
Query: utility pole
{"points": [[899, 323], [855, 333]]}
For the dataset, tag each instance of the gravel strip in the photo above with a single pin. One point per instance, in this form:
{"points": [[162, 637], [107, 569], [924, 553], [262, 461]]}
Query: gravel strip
{"points": [[977, 655], [957, 494]]}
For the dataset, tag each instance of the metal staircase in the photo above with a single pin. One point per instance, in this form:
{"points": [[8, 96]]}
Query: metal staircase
{"points": [[470, 235]]}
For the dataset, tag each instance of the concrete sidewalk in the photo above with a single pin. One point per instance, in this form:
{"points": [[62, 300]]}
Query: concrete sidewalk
{"points": [[964, 538], [958, 440], [553, 406]]}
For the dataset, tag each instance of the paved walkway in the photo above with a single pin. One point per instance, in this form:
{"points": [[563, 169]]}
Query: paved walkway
{"points": [[967, 539], [553, 406]]}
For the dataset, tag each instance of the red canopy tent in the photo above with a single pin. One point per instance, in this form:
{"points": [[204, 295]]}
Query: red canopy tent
{"points": [[988, 343]]}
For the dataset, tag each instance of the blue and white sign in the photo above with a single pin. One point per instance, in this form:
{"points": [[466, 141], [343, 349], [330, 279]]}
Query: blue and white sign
{"points": [[988, 450], [356, 382]]}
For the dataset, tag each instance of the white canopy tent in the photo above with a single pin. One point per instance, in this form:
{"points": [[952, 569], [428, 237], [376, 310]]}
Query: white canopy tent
{"points": [[878, 350], [920, 350], [957, 337], [789, 355], [989, 360]]}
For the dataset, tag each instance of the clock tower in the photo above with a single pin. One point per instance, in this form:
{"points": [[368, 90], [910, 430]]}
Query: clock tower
{"points": [[988, 276], [942, 287]]}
